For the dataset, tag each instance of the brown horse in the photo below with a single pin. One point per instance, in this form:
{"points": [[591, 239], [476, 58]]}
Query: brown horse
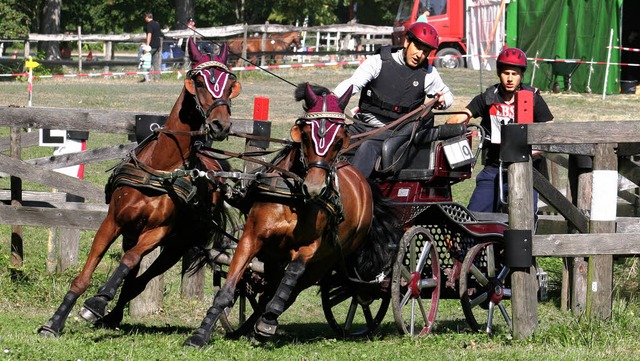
{"points": [[300, 231], [274, 42], [158, 196]]}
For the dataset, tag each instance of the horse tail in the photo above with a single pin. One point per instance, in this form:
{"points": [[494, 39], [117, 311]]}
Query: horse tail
{"points": [[376, 254]]}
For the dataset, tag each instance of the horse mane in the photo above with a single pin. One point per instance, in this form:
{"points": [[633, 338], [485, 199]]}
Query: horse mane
{"points": [[317, 90], [374, 254]]}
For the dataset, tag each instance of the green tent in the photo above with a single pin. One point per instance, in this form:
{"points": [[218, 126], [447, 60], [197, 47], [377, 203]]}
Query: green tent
{"points": [[568, 29]]}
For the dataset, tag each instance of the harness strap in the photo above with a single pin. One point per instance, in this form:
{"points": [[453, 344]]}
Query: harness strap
{"points": [[421, 110], [282, 171], [136, 177]]}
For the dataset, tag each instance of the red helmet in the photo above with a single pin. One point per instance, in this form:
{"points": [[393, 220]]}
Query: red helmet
{"points": [[513, 57], [424, 33]]}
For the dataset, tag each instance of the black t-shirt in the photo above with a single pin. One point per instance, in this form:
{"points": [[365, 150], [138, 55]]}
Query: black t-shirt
{"points": [[494, 112], [153, 27]]}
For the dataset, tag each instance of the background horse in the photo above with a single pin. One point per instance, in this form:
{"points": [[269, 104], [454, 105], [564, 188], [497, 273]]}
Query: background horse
{"points": [[301, 232], [152, 196], [274, 42]]}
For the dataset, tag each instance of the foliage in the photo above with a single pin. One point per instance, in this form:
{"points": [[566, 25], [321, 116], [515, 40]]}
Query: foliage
{"points": [[15, 19], [20, 17]]}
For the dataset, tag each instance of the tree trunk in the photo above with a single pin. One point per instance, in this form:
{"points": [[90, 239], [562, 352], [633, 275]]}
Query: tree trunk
{"points": [[50, 24], [185, 9]]}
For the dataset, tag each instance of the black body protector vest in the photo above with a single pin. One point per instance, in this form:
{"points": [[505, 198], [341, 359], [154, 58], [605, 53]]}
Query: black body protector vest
{"points": [[397, 90]]}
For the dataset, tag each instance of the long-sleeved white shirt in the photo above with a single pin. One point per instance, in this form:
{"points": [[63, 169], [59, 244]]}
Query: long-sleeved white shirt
{"points": [[370, 69]]}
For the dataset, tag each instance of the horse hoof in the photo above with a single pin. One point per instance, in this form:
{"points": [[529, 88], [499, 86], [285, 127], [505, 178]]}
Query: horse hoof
{"points": [[88, 315], [46, 331], [265, 329], [93, 309], [195, 341]]}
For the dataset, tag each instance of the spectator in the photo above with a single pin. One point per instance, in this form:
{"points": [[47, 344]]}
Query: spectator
{"points": [[154, 40], [423, 18], [145, 62], [65, 50], [392, 84], [496, 107]]}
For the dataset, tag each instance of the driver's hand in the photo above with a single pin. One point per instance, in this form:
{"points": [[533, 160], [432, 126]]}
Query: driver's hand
{"points": [[439, 101]]}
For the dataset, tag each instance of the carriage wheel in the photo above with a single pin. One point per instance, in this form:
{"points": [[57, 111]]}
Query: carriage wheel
{"points": [[484, 288], [353, 309], [415, 289]]}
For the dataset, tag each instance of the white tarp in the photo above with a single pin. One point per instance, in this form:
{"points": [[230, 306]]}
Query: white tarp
{"points": [[486, 32]]}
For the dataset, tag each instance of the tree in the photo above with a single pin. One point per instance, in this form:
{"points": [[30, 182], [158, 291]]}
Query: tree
{"points": [[50, 24], [185, 9], [15, 20]]}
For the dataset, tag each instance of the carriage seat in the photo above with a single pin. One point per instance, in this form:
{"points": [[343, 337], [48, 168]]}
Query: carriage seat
{"points": [[414, 158]]}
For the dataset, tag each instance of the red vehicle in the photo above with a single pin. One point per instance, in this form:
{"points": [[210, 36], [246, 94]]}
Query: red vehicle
{"points": [[447, 16]]}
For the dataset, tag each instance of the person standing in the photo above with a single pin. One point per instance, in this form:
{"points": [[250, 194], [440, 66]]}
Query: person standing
{"points": [[154, 40], [496, 106], [392, 84], [145, 62]]}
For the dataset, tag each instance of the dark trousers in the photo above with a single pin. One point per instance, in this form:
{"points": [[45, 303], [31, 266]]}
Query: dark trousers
{"points": [[486, 195], [365, 156]]}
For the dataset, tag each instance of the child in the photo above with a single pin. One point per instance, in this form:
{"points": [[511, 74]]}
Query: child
{"points": [[145, 62]]}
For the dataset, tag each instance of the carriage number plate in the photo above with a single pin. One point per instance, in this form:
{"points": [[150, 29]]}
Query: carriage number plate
{"points": [[458, 151]]}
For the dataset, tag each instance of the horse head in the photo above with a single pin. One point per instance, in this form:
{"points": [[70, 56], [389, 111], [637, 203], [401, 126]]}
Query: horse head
{"points": [[321, 133], [212, 86], [295, 40]]}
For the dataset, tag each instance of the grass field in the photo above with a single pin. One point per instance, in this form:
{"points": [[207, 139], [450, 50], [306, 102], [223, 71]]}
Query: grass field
{"points": [[29, 301]]}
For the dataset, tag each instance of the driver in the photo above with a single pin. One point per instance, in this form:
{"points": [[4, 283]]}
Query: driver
{"points": [[496, 107], [393, 83]]}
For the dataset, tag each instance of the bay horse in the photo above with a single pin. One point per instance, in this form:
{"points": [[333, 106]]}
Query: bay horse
{"points": [[158, 196], [274, 42], [303, 229]]}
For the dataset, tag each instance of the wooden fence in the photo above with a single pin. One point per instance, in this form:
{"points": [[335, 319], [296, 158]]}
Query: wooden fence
{"points": [[609, 144], [339, 38], [598, 236], [49, 209]]}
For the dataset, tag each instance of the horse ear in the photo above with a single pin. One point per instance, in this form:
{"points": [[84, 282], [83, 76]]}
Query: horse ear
{"points": [[194, 53], [296, 134], [344, 99], [190, 86], [310, 98], [235, 89], [224, 53]]}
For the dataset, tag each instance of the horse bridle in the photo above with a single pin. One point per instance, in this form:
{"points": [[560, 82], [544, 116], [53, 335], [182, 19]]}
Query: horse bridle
{"points": [[219, 102]]}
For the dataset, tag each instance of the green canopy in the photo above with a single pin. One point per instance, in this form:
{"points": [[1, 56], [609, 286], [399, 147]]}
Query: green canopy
{"points": [[568, 29]]}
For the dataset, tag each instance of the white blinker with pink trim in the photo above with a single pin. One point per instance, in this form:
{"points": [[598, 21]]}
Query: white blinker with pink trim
{"points": [[323, 135]]}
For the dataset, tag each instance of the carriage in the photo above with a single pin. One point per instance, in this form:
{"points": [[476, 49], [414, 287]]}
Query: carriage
{"points": [[443, 249], [307, 216]]}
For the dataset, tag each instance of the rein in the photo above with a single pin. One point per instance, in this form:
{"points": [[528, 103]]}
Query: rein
{"points": [[422, 109], [243, 156]]}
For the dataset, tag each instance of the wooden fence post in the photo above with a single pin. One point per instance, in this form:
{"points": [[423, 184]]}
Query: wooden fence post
{"points": [[524, 301], [17, 252], [603, 216], [579, 170], [150, 300]]}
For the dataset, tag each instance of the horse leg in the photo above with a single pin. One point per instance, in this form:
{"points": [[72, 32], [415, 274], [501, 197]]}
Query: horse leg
{"points": [[134, 285], [105, 236], [268, 323], [225, 297], [95, 308]]}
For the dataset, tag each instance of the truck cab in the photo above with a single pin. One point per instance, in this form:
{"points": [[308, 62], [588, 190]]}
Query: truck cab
{"points": [[447, 16]]}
